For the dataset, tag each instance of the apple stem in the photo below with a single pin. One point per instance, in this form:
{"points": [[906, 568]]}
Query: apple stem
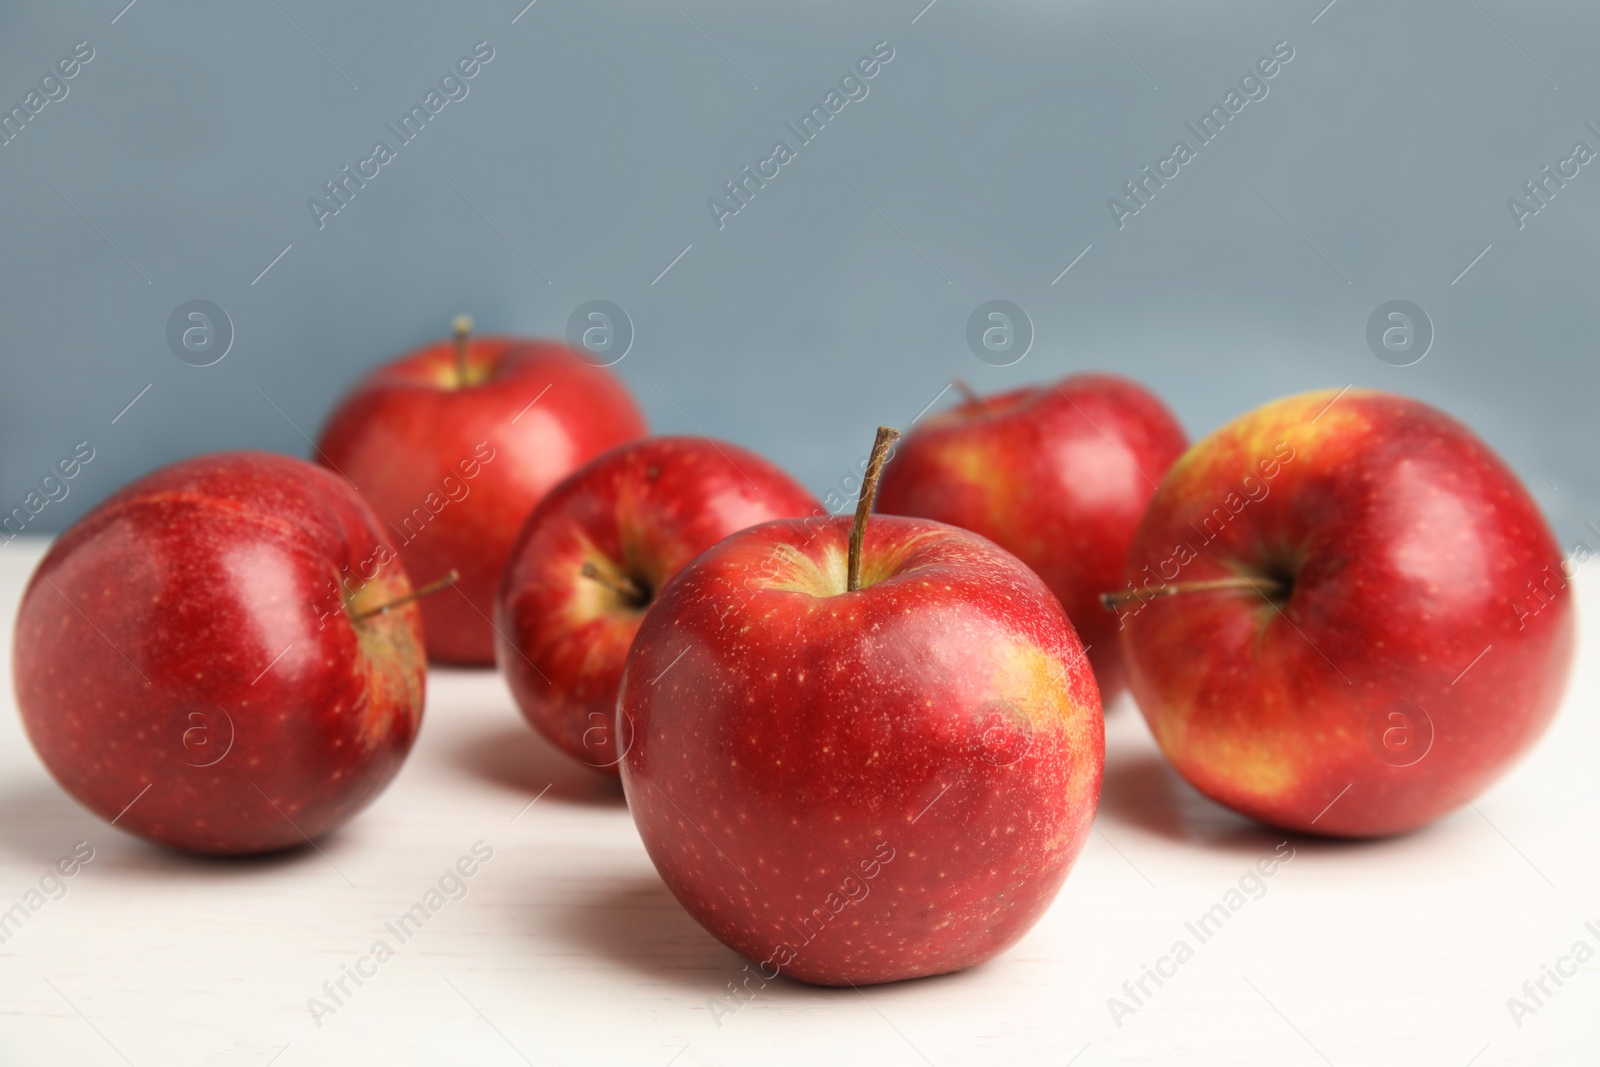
{"points": [[968, 394], [621, 584], [1267, 587], [415, 594], [461, 330], [885, 440]]}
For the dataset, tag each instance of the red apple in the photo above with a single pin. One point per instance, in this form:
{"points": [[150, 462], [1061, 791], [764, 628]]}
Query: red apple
{"points": [[1345, 615], [592, 558], [860, 759], [1059, 475], [453, 446], [199, 661]]}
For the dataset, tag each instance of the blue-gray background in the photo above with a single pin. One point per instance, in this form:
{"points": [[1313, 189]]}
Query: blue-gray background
{"points": [[978, 167]]}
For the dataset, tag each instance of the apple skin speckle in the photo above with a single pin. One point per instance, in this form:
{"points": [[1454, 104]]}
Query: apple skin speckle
{"points": [[1421, 576], [454, 469], [638, 513], [915, 774], [1058, 474], [186, 663]]}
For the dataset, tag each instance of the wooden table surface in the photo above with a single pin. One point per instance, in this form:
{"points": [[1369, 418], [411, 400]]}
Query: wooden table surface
{"points": [[563, 947]]}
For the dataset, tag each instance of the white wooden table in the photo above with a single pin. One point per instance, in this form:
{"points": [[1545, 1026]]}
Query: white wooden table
{"points": [[567, 949]]}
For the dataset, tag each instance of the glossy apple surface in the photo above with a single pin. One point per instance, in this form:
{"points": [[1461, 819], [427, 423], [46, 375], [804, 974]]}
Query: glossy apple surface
{"points": [[635, 515], [453, 469], [189, 664], [1059, 475], [1416, 631], [854, 787]]}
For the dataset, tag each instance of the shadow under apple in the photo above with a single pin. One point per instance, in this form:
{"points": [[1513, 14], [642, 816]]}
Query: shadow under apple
{"points": [[636, 922], [513, 755], [1142, 790], [44, 824]]}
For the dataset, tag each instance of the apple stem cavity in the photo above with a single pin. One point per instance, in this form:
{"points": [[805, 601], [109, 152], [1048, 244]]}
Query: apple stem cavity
{"points": [[1271, 588], [885, 440], [461, 330], [415, 594], [969, 395], [629, 590]]}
